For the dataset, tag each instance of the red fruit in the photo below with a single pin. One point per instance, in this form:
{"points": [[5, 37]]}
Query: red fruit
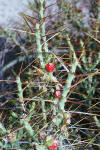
{"points": [[57, 94], [97, 1], [49, 67], [54, 145], [80, 10]]}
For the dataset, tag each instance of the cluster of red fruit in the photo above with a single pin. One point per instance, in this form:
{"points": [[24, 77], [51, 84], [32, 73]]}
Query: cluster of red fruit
{"points": [[54, 145], [50, 68]]}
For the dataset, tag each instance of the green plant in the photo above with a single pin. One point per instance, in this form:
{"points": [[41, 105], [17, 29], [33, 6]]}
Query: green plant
{"points": [[55, 105]]}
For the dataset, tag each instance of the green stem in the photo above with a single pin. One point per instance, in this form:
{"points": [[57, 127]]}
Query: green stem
{"points": [[20, 92], [43, 25], [67, 86], [38, 41], [43, 110], [39, 50]]}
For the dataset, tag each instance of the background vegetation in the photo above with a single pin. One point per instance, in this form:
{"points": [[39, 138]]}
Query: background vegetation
{"points": [[31, 116]]}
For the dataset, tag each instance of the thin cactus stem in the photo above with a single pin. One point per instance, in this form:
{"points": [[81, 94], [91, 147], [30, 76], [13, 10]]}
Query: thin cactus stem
{"points": [[71, 77], [39, 50], [99, 10], [43, 25], [43, 110], [38, 41], [20, 92], [27, 126], [2, 128], [83, 51], [97, 61], [98, 18], [55, 101], [83, 55], [84, 59]]}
